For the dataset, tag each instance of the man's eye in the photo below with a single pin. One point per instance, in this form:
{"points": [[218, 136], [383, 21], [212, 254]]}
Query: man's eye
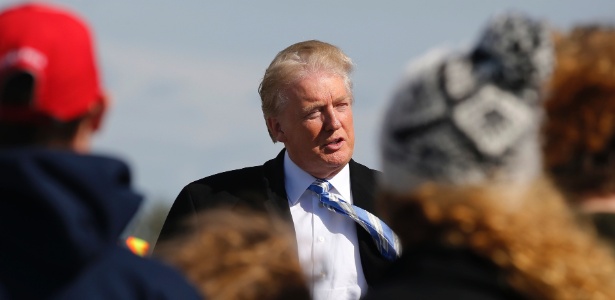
{"points": [[312, 115]]}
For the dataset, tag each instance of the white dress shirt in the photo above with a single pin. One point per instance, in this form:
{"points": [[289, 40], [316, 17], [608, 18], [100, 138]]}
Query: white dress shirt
{"points": [[327, 241]]}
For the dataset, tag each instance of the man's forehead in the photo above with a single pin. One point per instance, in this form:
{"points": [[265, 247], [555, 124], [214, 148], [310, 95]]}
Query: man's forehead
{"points": [[319, 88]]}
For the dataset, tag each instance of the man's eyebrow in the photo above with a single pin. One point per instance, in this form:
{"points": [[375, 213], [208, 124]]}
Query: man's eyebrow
{"points": [[311, 107], [316, 105], [343, 98]]}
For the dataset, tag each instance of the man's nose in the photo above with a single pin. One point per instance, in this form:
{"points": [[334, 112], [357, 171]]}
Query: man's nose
{"points": [[332, 121]]}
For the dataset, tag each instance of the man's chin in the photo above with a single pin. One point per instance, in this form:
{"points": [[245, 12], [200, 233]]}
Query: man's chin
{"points": [[336, 160]]}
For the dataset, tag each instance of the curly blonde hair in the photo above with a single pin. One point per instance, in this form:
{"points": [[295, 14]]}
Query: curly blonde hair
{"points": [[239, 255], [579, 148], [530, 234]]}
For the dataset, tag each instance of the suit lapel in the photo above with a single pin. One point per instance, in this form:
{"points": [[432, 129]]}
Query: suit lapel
{"points": [[277, 200], [362, 184], [363, 187]]}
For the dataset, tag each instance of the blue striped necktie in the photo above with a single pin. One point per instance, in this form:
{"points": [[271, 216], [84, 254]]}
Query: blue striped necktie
{"points": [[385, 239]]}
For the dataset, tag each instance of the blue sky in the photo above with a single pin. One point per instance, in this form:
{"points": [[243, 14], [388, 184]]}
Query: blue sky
{"points": [[183, 75]]}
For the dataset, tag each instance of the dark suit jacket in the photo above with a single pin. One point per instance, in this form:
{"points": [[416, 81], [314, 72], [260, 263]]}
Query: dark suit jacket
{"points": [[437, 272], [262, 188]]}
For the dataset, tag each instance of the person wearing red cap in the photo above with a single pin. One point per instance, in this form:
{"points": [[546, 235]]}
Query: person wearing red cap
{"points": [[62, 209]]}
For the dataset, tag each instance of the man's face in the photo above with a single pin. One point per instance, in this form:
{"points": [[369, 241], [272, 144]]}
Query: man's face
{"points": [[315, 124]]}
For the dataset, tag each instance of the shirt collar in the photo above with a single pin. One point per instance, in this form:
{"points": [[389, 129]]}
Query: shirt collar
{"points": [[297, 181]]}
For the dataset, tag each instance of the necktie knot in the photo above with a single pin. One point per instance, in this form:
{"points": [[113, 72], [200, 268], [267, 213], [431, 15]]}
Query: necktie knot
{"points": [[320, 186]]}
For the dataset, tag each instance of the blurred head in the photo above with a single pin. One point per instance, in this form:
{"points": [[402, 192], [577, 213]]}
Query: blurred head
{"points": [[239, 255], [470, 118], [579, 133], [462, 167], [50, 93], [307, 104]]}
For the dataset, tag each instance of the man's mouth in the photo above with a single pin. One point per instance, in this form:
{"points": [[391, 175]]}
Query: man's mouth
{"points": [[334, 144]]}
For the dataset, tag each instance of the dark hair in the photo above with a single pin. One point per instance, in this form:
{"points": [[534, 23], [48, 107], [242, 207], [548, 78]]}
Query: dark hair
{"points": [[17, 90], [57, 133]]}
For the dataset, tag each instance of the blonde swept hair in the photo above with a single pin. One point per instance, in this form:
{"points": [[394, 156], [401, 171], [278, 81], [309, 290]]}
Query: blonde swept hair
{"points": [[239, 255], [529, 233], [296, 62]]}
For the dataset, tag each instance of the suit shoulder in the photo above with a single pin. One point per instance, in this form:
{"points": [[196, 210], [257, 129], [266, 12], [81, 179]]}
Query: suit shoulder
{"points": [[363, 169], [236, 181], [245, 176]]}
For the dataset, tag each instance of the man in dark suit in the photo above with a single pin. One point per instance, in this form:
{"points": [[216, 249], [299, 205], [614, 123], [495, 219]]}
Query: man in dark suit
{"points": [[307, 105]]}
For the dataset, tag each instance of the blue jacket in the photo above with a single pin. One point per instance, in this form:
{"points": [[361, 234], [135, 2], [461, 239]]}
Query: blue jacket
{"points": [[61, 215]]}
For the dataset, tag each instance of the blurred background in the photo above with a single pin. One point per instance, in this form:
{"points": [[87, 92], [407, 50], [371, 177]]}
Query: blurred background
{"points": [[183, 75]]}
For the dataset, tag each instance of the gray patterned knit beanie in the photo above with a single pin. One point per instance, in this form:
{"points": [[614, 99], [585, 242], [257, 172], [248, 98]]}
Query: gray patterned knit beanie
{"points": [[470, 117]]}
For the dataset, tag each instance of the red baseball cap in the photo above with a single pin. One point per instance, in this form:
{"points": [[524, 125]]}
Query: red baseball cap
{"points": [[55, 48]]}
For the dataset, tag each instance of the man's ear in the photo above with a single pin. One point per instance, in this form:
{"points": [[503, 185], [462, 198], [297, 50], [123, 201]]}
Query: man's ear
{"points": [[275, 128], [99, 111], [92, 122]]}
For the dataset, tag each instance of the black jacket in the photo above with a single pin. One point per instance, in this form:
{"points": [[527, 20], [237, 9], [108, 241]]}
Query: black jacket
{"points": [[262, 188], [438, 272], [61, 215]]}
